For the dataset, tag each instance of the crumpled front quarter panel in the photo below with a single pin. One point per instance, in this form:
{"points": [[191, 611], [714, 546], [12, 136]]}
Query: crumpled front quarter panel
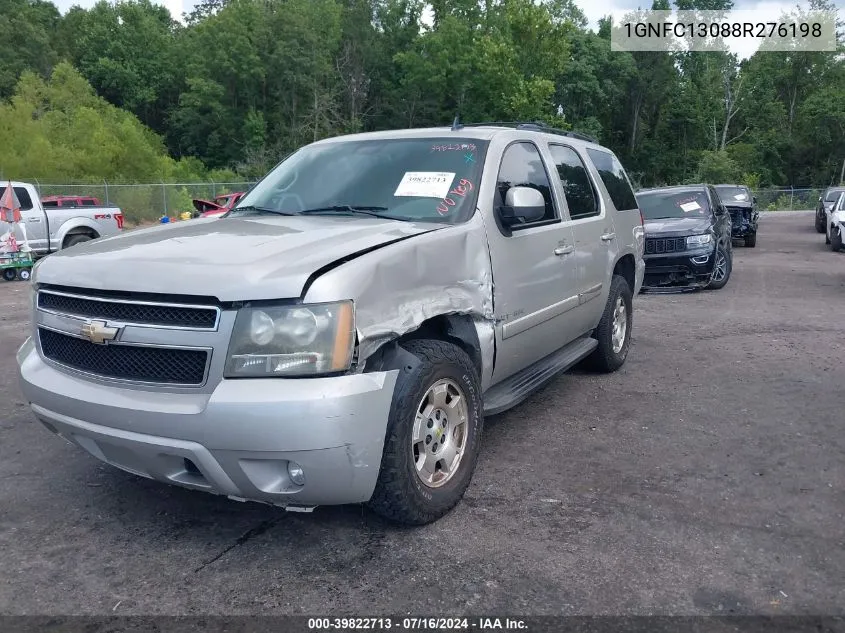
{"points": [[398, 287]]}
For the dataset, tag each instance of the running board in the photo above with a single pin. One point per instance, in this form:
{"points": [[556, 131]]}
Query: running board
{"points": [[511, 391]]}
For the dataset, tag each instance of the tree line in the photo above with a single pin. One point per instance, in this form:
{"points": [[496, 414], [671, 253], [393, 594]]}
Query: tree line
{"points": [[123, 91]]}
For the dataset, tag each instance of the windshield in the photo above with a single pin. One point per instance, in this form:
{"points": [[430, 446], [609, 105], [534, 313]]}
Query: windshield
{"points": [[416, 179], [832, 195], [222, 201], [673, 204], [731, 194]]}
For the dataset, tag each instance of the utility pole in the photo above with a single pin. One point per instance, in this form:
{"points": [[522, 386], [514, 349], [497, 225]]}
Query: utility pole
{"points": [[842, 173]]}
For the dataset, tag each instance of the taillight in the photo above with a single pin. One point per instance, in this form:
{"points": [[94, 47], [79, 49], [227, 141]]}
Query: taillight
{"points": [[118, 217]]}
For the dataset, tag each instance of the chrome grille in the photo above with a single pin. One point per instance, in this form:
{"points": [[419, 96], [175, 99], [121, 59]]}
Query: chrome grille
{"points": [[125, 362], [136, 312], [660, 245]]}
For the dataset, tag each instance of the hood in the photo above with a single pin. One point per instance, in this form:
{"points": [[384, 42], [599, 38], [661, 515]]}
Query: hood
{"points": [[677, 227], [205, 205], [738, 204], [233, 259]]}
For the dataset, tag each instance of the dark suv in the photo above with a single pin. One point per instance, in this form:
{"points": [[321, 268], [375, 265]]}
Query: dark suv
{"points": [[742, 205], [827, 199], [687, 237]]}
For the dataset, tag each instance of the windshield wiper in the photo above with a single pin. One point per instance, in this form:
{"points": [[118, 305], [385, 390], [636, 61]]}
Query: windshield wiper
{"points": [[262, 210], [348, 209]]}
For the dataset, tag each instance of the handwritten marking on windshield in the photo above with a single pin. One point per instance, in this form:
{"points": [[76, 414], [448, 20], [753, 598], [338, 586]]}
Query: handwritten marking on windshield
{"points": [[454, 147], [463, 187]]}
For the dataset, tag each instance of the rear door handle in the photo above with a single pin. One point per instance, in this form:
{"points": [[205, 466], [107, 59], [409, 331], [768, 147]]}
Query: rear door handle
{"points": [[607, 237], [564, 250]]}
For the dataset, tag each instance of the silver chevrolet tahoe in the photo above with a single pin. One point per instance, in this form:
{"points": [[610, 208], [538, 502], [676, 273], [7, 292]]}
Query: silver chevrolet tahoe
{"points": [[341, 334]]}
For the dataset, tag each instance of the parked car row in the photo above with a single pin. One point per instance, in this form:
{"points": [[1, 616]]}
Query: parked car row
{"points": [[689, 233], [834, 218]]}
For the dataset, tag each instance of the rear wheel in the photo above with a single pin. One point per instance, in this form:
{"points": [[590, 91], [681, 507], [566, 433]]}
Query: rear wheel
{"points": [[73, 240], [24, 274], [433, 435], [721, 270], [751, 240], [9, 274], [614, 330]]}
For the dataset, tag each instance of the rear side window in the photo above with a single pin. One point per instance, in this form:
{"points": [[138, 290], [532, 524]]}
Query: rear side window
{"points": [[522, 166], [577, 187], [23, 198], [89, 202], [614, 178]]}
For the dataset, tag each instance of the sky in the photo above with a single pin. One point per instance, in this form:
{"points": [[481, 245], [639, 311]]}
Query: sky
{"points": [[593, 9]]}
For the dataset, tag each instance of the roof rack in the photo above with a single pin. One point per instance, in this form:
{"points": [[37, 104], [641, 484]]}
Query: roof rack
{"points": [[537, 126]]}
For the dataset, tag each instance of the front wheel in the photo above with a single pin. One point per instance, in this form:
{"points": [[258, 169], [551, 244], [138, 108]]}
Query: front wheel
{"points": [[24, 274], [835, 240], [721, 270], [614, 330], [433, 435]]}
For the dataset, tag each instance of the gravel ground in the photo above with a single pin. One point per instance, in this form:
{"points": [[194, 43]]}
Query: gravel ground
{"points": [[705, 477]]}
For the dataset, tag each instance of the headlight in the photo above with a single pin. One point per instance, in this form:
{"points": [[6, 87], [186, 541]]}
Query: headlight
{"points": [[699, 240], [294, 340]]}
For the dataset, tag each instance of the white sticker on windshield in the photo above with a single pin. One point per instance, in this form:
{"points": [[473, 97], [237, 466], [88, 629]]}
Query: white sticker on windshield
{"points": [[690, 206], [740, 196], [425, 184]]}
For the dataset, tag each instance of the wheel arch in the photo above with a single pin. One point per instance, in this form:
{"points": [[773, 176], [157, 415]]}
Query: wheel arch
{"points": [[471, 334], [626, 267]]}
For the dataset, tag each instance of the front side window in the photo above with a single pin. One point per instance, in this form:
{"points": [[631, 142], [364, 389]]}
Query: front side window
{"points": [[580, 196], [522, 166], [412, 179], [614, 178], [661, 205]]}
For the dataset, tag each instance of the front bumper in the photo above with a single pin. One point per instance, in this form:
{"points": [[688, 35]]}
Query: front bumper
{"points": [[742, 225], [692, 268], [236, 441]]}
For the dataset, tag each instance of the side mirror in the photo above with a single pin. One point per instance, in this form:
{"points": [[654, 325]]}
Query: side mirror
{"points": [[523, 205], [754, 199]]}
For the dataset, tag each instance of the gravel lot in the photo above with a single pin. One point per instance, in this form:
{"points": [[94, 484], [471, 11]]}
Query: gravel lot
{"points": [[706, 476]]}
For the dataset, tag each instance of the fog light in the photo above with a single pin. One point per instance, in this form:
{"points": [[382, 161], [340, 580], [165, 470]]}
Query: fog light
{"points": [[295, 473], [700, 260]]}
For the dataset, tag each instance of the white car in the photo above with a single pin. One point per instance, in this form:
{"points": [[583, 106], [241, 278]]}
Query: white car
{"points": [[835, 224]]}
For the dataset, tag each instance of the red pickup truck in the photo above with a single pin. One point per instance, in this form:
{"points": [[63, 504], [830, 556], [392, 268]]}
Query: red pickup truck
{"points": [[220, 205]]}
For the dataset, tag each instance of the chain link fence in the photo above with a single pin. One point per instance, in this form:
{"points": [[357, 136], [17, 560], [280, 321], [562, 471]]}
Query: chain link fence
{"points": [[149, 202], [144, 202], [787, 198]]}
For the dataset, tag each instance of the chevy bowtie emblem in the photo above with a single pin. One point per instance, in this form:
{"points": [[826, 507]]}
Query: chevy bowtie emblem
{"points": [[99, 332]]}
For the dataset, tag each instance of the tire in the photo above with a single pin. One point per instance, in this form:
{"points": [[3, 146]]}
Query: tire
{"points": [[73, 240], [609, 355], [9, 274], [751, 240], [24, 274], [820, 224], [400, 494], [835, 240], [717, 284]]}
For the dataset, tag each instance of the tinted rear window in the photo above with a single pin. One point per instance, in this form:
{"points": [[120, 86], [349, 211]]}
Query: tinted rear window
{"points": [[89, 202], [614, 178], [23, 197], [656, 205]]}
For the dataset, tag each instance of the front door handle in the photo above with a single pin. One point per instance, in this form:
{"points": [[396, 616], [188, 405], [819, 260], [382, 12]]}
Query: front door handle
{"points": [[33, 220], [607, 237], [564, 250]]}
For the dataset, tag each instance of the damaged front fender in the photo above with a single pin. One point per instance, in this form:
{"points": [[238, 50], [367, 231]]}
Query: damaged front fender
{"points": [[399, 287]]}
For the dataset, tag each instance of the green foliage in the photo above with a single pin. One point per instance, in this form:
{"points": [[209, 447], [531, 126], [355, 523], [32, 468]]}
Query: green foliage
{"points": [[717, 167], [245, 82]]}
